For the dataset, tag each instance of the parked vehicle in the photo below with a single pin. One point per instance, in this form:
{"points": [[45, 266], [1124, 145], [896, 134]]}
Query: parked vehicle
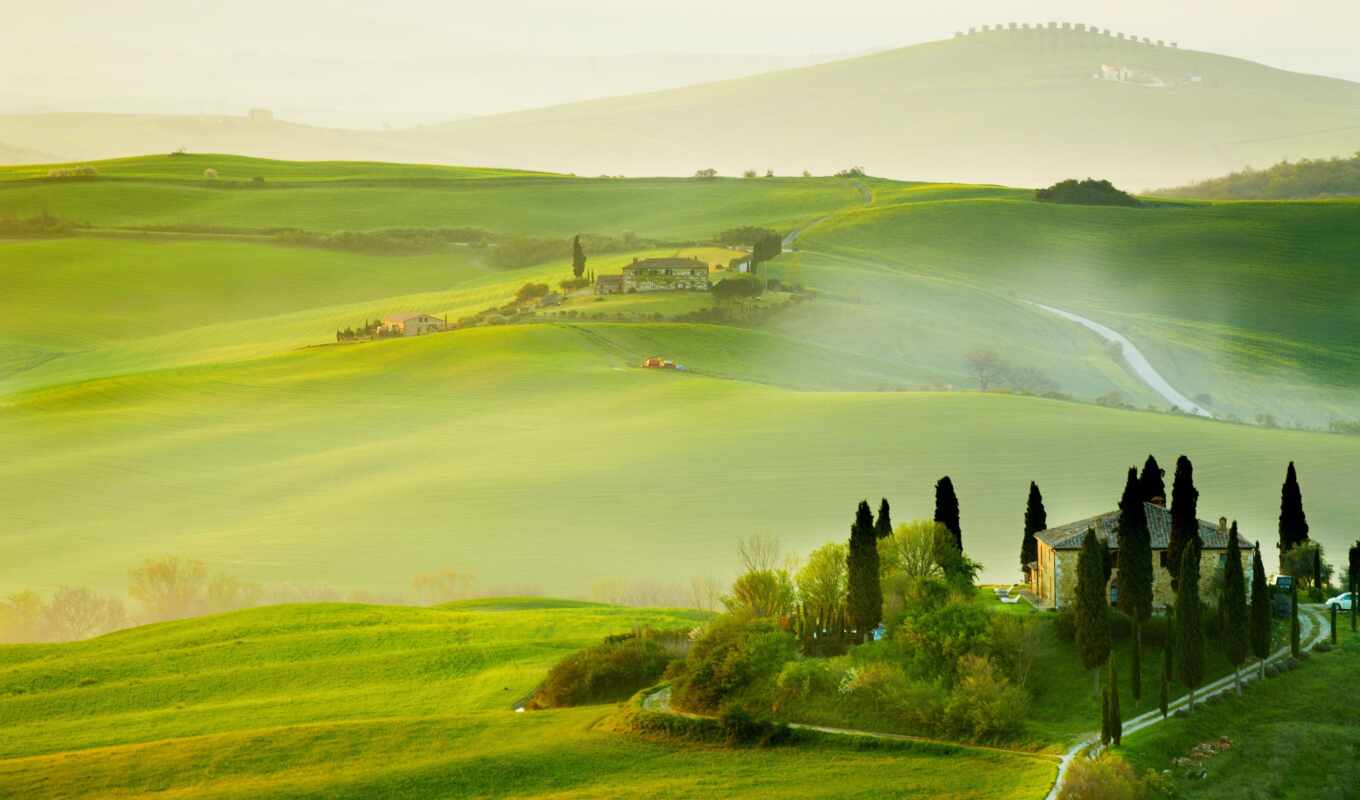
{"points": [[1342, 602]]}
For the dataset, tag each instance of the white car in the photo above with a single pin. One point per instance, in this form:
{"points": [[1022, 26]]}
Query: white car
{"points": [[1342, 602]]}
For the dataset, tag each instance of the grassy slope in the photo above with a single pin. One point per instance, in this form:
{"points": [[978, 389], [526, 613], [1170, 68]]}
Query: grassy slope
{"points": [[1251, 303], [1289, 739], [515, 451], [362, 701]]}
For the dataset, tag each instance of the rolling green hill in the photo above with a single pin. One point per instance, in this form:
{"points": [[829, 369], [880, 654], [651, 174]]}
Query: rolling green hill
{"points": [[367, 701], [932, 111]]}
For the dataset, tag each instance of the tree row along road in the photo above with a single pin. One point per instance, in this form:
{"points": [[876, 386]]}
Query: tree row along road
{"points": [[1311, 628], [1135, 359]]}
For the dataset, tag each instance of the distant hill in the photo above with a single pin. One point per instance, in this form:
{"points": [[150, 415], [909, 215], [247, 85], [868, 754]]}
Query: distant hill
{"points": [[1298, 180], [1024, 107], [23, 155]]}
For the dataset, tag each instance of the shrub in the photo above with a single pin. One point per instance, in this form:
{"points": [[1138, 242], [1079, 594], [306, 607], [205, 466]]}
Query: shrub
{"points": [[1110, 778], [608, 672], [531, 291], [1121, 625], [1015, 645], [731, 657], [743, 728], [1088, 192], [805, 678], [983, 704], [937, 639]]}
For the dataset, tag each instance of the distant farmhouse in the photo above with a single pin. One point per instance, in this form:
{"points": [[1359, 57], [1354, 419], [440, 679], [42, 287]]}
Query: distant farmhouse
{"points": [[1053, 577], [656, 275], [414, 324]]}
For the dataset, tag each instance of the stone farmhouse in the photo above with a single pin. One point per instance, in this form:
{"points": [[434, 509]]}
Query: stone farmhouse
{"points": [[656, 275], [1053, 577], [414, 324]]}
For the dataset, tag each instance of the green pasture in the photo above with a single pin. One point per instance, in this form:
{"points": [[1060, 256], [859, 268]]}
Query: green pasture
{"points": [[365, 701]]}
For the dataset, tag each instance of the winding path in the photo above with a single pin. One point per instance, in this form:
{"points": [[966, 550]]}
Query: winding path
{"points": [[1311, 627], [1135, 359]]}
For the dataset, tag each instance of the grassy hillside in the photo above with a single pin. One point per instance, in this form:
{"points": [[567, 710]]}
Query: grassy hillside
{"points": [[926, 111], [1252, 304], [540, 455], [364, 701]]}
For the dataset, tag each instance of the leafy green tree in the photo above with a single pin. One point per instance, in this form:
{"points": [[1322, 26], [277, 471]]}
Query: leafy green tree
{"points": [[1237, 631], [883, 526], [865, 601], [1189, 613], [1260, 611], [947, 509], [1092, 618], [1112, 691], [1184, 517], [1150, 481], [1293, 522], [578, 258], [1036, 520], [822, 585]]}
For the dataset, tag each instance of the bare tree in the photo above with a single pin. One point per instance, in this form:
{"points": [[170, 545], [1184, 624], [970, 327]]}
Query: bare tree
{"points": [[986, 366], [704, 593], [441, 587], [79, 613], [168, 587], [759, 552]]}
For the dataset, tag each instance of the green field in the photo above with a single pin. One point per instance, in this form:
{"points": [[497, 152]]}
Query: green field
{"points": [[365, 701]]}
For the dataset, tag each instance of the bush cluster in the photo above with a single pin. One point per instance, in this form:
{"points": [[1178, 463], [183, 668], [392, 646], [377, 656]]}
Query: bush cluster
{"points": [[1089, 192], [733, 657], [611, 671]]}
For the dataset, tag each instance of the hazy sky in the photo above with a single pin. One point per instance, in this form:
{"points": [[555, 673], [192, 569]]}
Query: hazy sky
{"points": [[409, 61]]}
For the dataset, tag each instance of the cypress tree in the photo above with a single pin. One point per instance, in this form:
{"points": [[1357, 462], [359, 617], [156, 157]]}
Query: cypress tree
{"points": [[1036, 519], [1136, 663], [865, 599], [1135, 552], [947, 509], [1092, 618], [1189, 617], [1260, 611], [1293, 523], [1354, 563], [883, 525], [1294, 620], [1184, 517], [1112, 691], [1317, 570], [1105, 717], [578, 258], [1236, 629], [1167, 661], [1150, 481]]}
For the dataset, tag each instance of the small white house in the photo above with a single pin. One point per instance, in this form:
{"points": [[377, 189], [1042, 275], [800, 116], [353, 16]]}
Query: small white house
{"points": [[414, 324]]}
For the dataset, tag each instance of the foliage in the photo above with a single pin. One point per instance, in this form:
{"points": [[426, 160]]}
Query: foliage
{"points": [[1260, 608], [743, 728], [1135, 552], [708, 173], [578, 257], [1293, 521], [1299, 180], [883, 527], [1036, 520], [1088, 193], [914, 549], [737, 287], [947, 509], [386, 241], [1092, 608], [1306, 561], [730, 657], [169, 587], [1150, 482], [822, 583], [531, 291], [806, 678], [865, 590], [1116, 720], [1184, 517], [984, 705], [1016, 644], [1189, 616], [610, 671], [936, 638], [1108, 777], [41, 226], [1233, 603], [762, 593]]}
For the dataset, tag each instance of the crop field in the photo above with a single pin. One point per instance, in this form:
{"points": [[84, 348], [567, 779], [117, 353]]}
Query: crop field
{"points": [[364, 701]]}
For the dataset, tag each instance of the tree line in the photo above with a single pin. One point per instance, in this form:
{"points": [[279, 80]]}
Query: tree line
{"points": [[1299, 180]]}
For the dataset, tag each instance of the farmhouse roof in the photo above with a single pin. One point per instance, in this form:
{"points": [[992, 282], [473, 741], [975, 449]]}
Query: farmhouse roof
{"points": [[403, 317], [655, 263], [1069, 536], [608, 278]]}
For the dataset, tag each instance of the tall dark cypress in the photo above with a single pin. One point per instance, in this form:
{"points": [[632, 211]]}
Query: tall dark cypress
{"points": [[883, 525], [1150, 481], [947, 509], [1260, 610], [1293, 522], [1136, 663], [1189, 615], [1168, 648], [1092, 618], [1236, 631], [1184, 517], [578, 258], [1036, 519], [1135, 552], [1354, 563], [1116, 724], [865, 599]]}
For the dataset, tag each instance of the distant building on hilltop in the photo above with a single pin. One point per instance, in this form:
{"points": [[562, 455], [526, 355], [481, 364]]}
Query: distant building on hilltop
{"points": [[414, 324], [665, 274]]}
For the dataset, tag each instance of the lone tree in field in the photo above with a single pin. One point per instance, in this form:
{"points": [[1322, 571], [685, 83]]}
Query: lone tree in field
{"points": [[1036, 519], [865, 595], [1189, 615], [1093, 618], [986, 366], [1135, 571], [1237, 628], [1112, 691], [1293, 522], [1150, 481], [947, 509], [883, 527], [1168, 665], [1184, 517], [578, 258], [1260, 611]]}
